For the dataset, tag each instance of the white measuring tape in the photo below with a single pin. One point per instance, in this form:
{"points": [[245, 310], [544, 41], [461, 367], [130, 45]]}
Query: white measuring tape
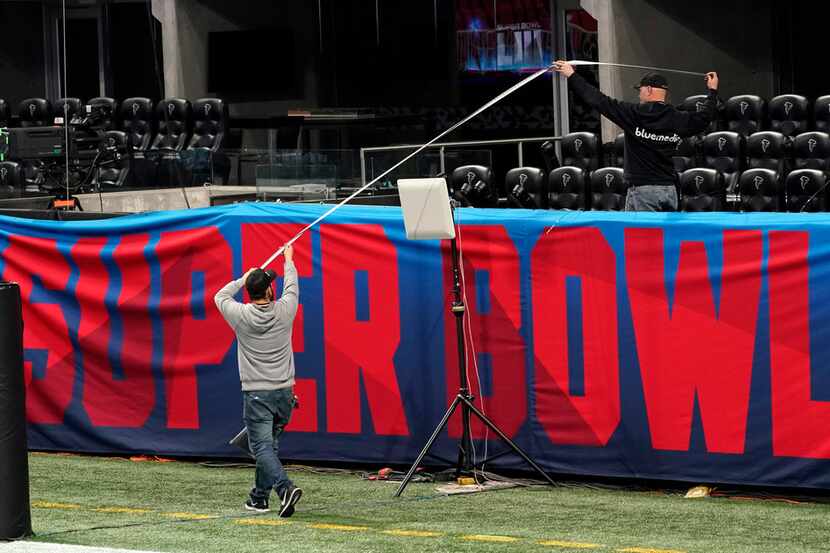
{"points": [[485, 107]]}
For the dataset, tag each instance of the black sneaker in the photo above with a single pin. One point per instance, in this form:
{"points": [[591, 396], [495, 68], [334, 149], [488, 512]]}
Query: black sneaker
{"points": [[260, 506], [290, 497]]}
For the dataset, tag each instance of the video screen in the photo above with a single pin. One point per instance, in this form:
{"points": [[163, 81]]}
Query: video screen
{"points": [[503, 36]]}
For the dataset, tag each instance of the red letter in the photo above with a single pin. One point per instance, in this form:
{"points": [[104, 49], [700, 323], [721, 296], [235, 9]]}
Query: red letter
{"points": [[259, 240], [195, 264], [692, 348], [125, 401], [361, 336], [491, 260], [45, 333], [800, 424], [589, 418]]}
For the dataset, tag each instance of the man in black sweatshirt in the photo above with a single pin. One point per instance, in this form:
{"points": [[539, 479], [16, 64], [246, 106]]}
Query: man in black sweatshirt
{"points": [[653, 128]]}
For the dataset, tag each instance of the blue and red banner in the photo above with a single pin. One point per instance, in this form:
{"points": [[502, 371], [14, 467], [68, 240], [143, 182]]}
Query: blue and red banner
{"points": [[680, 346]]}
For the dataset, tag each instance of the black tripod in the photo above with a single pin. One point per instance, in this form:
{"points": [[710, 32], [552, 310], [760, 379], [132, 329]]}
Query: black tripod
{"points": [[463, 398]]}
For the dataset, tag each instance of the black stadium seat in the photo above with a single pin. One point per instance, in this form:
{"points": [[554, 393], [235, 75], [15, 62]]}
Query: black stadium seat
{"points": [[474, 185], [744, 114], [767, 150], [724, 152], [698, 103], [566, 188], [11, 183], [35, 112], [811, 150], [788, 114], [68, 108], [173, 116], [113, 174], [5, 113], [821, 114], [526, 188], [136, 120], [701, 189], [685, 155], [608, 189], [107, 107], [617, 154], [580, 149], [760, 190], [204, 153], [806, 190]]}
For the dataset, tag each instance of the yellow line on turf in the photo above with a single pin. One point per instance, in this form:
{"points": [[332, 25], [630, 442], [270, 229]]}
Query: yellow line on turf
{"points": [[188, 516], [341, 527], [261, 521], [412, 533], [647, 550], [126, 510], [483, 537], [48, 505], [569, 544]]}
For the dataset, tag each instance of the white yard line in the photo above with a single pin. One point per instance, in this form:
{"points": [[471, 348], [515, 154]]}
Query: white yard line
{"points": [[38, 547]]}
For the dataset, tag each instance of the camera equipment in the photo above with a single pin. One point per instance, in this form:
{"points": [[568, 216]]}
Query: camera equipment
{"points": [[37, 142], [427, 216]]}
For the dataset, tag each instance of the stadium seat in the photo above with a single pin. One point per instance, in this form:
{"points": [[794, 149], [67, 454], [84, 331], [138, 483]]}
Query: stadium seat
{"points": [[474, 185], [724, 152], [11, 183], [685, 155], [204, 155], [744, 114], [608, 189], [697, 103], [566, 188], [68, 108], [806, 190], [580, 149], [526, 188], [767, 150], [106, 107], [173, 116], [811, 150], [760, 190], [35, 112], [113, 173], [136, 120], [5, 114], [821, 114], [788, 114], [616, 156], [701, 189]]}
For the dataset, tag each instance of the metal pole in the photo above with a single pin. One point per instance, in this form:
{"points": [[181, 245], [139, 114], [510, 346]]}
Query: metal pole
{"points": [[521, 155]]}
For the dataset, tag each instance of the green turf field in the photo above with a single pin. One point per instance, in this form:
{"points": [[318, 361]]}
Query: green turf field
{"points": [[188, 507]]}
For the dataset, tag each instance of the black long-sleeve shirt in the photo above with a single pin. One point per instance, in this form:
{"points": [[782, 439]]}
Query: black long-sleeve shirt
{"points": [[652, 131]]}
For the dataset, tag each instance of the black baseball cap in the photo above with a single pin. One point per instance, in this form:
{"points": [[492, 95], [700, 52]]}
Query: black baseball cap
{"points": [[258, 282], [655, 80]]}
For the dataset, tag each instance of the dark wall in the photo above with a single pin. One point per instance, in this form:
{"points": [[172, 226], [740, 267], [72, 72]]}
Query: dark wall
{"points": [[800, 40], [132, 68], [22, 66]]}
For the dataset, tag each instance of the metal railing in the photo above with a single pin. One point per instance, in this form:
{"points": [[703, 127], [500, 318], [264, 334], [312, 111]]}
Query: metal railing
{"points": [[442, 146]]}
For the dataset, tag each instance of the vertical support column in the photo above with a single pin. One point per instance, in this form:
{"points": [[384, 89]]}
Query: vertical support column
{"points": [[166, 12], [15, 514]]}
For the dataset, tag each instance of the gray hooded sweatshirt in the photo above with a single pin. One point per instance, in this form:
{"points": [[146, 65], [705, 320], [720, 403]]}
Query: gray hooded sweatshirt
{"points": [[263, 334]]}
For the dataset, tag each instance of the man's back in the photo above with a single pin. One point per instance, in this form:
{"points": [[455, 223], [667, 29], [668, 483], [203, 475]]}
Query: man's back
{"points": [[263, 331]]}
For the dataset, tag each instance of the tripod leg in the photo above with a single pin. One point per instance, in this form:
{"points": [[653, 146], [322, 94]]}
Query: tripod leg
{"points": [[427, 447], [509, 442]]}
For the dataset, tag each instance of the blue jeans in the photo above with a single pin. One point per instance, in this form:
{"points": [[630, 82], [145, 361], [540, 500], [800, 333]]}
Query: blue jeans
{"points": [[266, 413], [651, 198]]}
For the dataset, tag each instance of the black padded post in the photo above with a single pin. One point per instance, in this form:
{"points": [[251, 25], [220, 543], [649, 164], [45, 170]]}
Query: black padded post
{"points": [[15, 515]]}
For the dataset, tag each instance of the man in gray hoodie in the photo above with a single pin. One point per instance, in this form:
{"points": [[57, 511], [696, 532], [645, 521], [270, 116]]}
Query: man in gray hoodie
{"points": [[266, 370]]}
